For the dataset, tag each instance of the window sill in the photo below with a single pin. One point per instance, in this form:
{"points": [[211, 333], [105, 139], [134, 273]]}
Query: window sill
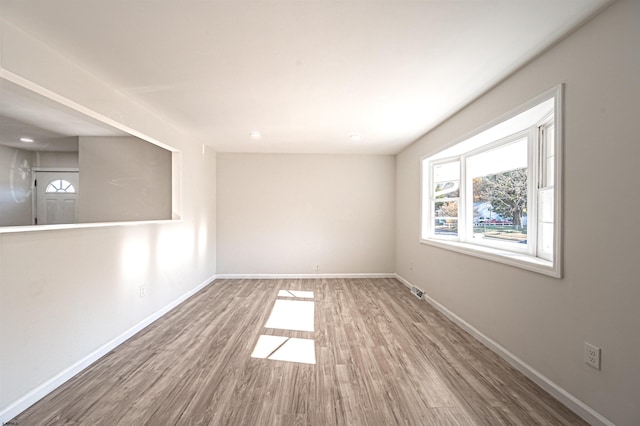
{"points": [[519, 260]]}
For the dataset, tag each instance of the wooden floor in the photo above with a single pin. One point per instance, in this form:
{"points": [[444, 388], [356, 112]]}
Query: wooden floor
{"points": [[383, 357]]}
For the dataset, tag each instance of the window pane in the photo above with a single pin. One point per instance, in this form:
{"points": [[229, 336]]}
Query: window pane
{"points": [[448, 189], [501, 159], [446, 171], [549, 149], [60, 185], [446, 180], [446, 218], [551, 146], [549, 172], [546, 239], [500, 193], [546, 205]]}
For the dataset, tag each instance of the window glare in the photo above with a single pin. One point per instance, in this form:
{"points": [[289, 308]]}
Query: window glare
{"points": [[447, 180], [446, 172], [498, 160], [546, 245], [550, 149], [546, 205]]}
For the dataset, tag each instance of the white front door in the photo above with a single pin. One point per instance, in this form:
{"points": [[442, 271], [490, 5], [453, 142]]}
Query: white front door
{"points": [[56, 197]]}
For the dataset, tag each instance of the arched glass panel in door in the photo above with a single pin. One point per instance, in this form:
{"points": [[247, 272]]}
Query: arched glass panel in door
{"points": [[61, 186]]}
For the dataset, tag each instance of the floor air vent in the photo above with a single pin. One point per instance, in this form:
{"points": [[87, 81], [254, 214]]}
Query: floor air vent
{"points": [[417, 292]]}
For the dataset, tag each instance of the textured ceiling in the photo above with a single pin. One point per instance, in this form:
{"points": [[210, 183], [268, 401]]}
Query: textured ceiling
{"points": [[305, 74]]}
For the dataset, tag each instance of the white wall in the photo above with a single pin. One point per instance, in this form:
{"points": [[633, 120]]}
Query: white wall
{"points": [[283, 214], [123, 179], [64, 293], [542, 320], [56, 159]]}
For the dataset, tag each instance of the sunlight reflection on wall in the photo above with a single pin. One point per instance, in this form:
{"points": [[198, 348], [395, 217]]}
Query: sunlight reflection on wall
{"points": [[175, 247], [203, 243], [134, 259]]}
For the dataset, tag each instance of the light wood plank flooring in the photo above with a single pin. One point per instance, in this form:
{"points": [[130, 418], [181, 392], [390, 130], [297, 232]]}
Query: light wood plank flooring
{"points": [[383, 357]]}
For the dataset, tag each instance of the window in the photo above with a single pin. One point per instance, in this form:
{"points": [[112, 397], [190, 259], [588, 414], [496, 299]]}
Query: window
{"points": [[60, 185], [446, 177], [496, 194]]}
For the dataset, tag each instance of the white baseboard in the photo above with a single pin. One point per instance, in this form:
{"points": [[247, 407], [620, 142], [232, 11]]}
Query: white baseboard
{"points": [[559, 393], [21, 404], [300, 276]]}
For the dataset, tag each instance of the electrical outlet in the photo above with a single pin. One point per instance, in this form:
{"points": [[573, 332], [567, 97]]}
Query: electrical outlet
{"points": [[411, 266], [143, 291], [592, 355], [317, 268]]}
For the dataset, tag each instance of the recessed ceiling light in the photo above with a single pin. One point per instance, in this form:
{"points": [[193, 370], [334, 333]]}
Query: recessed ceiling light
{"points": [[354, 136], [255, 135], [27, 140]]}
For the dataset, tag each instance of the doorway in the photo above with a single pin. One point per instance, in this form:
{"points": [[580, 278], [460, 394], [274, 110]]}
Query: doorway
{"points": [[56, 197]]}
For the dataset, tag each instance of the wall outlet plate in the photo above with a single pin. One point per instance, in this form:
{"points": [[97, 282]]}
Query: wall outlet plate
{"points": [[592, 355]]}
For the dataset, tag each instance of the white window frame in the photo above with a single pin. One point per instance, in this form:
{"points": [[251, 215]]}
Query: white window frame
{"points": [[529, 256], [433, 200]]}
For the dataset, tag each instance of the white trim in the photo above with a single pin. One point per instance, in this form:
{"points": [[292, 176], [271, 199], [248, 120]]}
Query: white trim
{"points": [[33, 396], [403, 281], [299, 276], [34, 228], [519, 260], [55, 169], [559, 393], [495, 251], [558, 183]]}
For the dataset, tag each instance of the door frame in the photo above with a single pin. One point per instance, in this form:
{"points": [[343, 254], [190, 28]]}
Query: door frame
{"points": [[34, 171]]}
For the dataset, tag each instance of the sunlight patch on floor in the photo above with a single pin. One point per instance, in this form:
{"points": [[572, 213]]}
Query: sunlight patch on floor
{"points": [[290, 349], [296, 315], [296, 293]]}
